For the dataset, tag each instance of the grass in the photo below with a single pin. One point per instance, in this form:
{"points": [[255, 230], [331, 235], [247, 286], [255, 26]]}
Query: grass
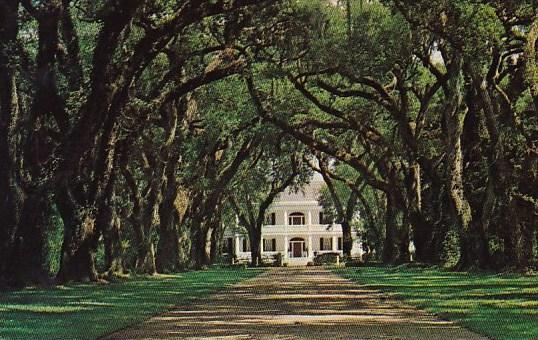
{"points": [[498, 306], [87, 311]]}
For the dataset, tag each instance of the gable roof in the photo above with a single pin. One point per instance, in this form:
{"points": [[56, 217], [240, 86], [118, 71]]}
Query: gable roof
{"points": [[309, 192]]}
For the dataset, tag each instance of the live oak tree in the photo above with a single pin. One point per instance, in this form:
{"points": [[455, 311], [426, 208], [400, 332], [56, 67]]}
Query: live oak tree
{"points": [[124, 124], [75, 95], [431, 99]]}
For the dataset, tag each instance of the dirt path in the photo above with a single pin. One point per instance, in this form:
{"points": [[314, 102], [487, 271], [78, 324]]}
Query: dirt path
{"points": [[296, 303]]}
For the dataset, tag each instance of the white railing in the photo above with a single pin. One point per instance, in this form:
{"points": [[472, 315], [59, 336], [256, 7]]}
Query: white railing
{"points": [[303, 256], [306, 228]]}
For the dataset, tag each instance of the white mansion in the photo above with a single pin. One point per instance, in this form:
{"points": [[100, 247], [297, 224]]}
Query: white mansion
{"points": [[295, 228]]}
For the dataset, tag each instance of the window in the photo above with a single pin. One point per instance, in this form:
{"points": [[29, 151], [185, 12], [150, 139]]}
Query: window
{"points": [[325, 243], [322, 218], [296, 218], [340, 245], [228, 246], [270, 219], [269, 244], [246, 245]]}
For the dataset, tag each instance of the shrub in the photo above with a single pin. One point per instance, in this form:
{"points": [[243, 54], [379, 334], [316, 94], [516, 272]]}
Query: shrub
{"points": [[278, 259], [451, 252], [327, 258], [353, 262]]}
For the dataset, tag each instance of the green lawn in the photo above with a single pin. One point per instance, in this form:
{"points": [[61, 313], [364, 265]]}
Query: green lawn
{"points": [[499, 306], [87, 311]]}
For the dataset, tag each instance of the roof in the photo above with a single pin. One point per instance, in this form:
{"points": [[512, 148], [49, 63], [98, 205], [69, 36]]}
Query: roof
{"points": [[309, 192]]}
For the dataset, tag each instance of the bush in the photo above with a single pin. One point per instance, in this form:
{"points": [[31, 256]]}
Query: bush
{"points": [[451, 252], [353, 263], [278, 259], [239, 265], [52, 246], [327, 258]]}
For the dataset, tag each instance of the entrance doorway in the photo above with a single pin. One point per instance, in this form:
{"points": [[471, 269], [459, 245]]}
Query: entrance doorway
{"points": [[297, 246]]}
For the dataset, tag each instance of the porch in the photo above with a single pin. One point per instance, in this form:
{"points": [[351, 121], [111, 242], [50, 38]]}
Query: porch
{"points": [[297, 244]]}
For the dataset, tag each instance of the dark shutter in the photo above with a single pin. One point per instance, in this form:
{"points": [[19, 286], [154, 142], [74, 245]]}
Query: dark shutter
{"points": [[321, 244], [339, 243], [244, 244], [273, 241], [230, 245], [321, 217], [273, 218]]}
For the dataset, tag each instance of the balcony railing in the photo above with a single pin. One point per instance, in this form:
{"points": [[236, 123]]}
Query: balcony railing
{"points": [[306, 228]]}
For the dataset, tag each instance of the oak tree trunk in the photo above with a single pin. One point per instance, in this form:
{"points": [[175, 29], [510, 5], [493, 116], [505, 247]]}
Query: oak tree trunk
{"points": [[390, 252], [255, 238], [168, 248], [347, 238], [80, 241], [11, 195]]}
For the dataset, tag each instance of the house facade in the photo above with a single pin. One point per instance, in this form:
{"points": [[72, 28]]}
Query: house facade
{"points": [[295, 228]]}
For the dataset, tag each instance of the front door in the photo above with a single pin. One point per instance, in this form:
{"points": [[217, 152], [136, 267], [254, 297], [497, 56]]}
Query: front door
{"points": [[297, 248]]}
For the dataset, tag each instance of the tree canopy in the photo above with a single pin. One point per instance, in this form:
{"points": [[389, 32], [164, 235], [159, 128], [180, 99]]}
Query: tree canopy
{"points": [[132, 131]]}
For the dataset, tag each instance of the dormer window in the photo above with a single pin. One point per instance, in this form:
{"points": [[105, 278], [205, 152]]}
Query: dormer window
{"points": [[296, 218]]}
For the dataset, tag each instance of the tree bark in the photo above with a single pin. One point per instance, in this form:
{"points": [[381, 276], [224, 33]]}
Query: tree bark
{"points": [[255, 238], [454, 117], [216, 240], [26, 261], [11, 195], [347, 239], [144, 227], [422, 230], [168, 248], [390, 251], [77, 261], [110, 223], [112, 237], [200, 247]]}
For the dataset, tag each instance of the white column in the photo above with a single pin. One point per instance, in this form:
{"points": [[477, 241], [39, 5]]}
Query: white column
{"points": [[286, 223], [262, 245], [236, 244], [309, 225], [286, 246], [335, 243], [310, 252]]}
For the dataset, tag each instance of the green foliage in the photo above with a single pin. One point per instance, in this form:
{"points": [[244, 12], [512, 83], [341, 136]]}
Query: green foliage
{"points": [[53, 243], [450, 251], [100, 258], [372, 88], [327, 258]]}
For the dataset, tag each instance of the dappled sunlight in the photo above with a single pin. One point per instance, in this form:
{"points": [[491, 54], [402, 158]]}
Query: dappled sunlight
{"points": [[40, 309], [490, 303], [62, 312], [296, 303]]}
